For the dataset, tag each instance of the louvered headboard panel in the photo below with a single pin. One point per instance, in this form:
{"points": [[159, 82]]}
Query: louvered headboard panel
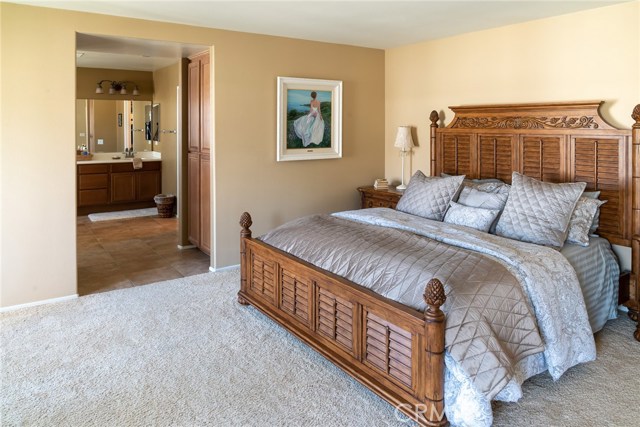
{"points": [[557, 142]]}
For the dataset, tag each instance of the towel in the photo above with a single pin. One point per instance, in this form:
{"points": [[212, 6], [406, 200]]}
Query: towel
{"points": [[137, 163]]}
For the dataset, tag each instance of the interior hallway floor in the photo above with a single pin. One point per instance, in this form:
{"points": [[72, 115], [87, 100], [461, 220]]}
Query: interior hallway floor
{"points": [[123, 253]]}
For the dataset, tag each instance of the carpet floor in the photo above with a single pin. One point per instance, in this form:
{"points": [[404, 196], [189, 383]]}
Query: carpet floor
{"points": [[184, 353]]}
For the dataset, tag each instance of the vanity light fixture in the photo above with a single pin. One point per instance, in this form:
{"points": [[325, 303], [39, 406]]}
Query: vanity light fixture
{"points": [[117, 87]]}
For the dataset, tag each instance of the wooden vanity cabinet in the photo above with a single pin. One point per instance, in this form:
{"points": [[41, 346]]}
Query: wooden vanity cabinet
{"points": [[93, 185], [117, 186]]}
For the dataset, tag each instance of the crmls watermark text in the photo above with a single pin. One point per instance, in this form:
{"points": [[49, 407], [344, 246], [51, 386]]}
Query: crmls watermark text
{"points": [[420, 410]]}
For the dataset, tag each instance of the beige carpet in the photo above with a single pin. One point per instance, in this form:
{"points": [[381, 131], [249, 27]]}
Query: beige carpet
{"points": [[184, 353]]}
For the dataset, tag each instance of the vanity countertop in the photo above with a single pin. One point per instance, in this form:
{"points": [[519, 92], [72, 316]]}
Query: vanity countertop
{"points": [[146, 156]]}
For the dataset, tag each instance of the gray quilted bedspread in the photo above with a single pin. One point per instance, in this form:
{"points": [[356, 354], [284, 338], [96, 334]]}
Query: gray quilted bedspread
{"points": [[490, 323]]}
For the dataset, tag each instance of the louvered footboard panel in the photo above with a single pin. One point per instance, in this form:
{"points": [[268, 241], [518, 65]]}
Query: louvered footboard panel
{"points": [[381, 343]]}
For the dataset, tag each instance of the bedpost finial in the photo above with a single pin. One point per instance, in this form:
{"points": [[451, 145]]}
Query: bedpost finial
{"points": [[434, 117], [245, 221], [434, 294], [635, 115]]}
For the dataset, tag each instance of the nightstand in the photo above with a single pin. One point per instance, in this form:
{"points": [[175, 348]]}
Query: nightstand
{"points": [[372, 198]]}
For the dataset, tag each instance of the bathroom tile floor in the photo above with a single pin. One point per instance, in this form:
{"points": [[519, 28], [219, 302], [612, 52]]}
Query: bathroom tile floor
{"points": [[130, 252]]}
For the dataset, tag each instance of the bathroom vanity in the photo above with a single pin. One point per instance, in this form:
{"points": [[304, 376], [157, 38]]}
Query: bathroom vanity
{"points": [[105, 184]]}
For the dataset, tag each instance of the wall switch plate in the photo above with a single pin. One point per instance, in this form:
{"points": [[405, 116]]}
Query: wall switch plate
{"points": [[100, 141], [83, 134]]}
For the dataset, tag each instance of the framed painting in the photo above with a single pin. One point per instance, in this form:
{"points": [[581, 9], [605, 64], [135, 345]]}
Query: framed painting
{"points": [[309, 119]]}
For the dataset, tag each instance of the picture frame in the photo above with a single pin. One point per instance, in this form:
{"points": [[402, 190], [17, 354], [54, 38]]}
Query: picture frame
{"points": [[309, 119]]}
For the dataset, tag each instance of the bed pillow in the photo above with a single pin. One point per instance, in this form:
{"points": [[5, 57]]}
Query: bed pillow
{"points": [[581, 220], [488, 185], [596, 218], [478, 218], [473, 197], [429, 197], [470, 196], [538, 212]]}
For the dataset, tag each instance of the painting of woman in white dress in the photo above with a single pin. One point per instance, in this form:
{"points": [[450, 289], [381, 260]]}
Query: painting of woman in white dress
{"points": [[309, 119]]}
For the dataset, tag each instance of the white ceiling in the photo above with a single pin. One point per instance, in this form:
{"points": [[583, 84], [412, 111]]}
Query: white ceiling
{"points": [[374, 24]]}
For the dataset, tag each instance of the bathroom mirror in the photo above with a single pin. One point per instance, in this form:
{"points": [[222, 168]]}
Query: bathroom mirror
{"points": [[107, 126], [152, 123]]}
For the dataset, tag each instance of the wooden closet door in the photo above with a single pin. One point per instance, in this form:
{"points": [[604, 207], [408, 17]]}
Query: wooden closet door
{"points": [[193, 173], [199, 175], [205, 201], [194, 106], [205, 110]]}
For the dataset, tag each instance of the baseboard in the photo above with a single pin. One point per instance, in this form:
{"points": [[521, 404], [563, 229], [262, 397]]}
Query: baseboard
{"points": [[182, 247], [36, 303], [230, 267]]}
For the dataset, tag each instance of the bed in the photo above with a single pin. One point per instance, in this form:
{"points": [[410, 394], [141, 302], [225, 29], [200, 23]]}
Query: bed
{"points": [[397, 349]]}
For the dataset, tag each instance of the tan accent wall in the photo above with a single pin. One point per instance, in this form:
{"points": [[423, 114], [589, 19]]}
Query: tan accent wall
{"points": [[165, 82], [87, 79], [591, 55], [37, 177]]}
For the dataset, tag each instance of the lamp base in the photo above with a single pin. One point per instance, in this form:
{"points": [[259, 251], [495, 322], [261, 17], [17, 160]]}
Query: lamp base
{"points": [[401, 187]]}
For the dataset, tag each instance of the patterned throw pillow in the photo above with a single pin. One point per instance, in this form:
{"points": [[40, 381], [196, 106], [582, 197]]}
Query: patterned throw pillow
{"points": [[429, 197], [473, 197], [478, 218], [581, 220], [539, 212]]}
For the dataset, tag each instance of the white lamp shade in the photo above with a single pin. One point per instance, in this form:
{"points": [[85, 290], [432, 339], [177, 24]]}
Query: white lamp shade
{"points": [[403, 138]]}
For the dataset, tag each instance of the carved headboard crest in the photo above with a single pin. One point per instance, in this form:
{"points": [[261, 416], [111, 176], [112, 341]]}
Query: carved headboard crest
{"points": [[583, 115]]}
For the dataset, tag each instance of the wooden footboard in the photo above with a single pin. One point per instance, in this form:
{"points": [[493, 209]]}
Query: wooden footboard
{"points": [[395, 351]]}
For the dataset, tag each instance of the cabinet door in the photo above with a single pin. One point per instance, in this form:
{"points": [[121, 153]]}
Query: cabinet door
{"points": [[93, 197], [148, 183], [123, 187], [205, 208], [193, 175], [205, 114], [194, 106]]}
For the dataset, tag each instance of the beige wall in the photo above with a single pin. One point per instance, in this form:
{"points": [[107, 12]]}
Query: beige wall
{"points": [[165, 82], [37, 176], [82, 118], [592, 55], [105, 126], [87, 79]]}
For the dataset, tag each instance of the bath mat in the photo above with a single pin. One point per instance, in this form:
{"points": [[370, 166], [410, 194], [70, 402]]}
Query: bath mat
{"points": [[135, 213]]}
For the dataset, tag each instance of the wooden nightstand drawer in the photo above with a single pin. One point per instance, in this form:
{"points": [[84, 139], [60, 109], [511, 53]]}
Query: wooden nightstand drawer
{"points": [[372, 198]]}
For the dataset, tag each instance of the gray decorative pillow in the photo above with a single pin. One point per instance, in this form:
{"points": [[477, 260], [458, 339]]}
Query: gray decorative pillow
{"points": [[429, 197], [538, 212], [478, 218], [596, 219], [581, 220], [489, 185], [470, 196]]}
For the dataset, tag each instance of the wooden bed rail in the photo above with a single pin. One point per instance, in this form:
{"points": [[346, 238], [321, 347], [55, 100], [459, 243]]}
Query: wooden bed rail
{"points": [[395, 351]]}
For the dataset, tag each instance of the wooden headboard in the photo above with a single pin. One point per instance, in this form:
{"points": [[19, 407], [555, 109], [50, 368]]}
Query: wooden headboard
{"points": [[555, 142]]}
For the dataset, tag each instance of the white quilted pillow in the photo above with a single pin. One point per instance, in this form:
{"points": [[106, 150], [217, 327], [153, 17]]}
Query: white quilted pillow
{"points": [[538, 212]]}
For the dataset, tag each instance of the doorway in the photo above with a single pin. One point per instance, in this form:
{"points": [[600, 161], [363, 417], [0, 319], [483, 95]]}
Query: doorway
{"points": [[123, 253]]}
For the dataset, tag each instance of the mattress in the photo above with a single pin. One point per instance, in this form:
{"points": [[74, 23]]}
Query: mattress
{"points": [[598, 273]]}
